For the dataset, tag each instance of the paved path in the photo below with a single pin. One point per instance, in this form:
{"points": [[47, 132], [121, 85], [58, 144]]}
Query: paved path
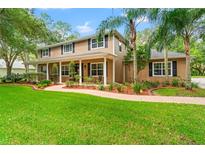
{"points": [[200, 81], [165, 99]]}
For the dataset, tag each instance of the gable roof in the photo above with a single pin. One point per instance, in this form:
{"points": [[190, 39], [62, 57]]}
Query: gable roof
{"points": [[116, 33], [171, 54]]}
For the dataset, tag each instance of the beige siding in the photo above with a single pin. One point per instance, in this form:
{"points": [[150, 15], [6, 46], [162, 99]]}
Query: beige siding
{"points": [[144, 74]]}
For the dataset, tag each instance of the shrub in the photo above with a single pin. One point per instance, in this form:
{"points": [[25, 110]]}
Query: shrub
{"points": [[165, 83], [42, 85], [47, 82], [155, 84], [137, 87], [182, 84], [89, 79], [111, 87], [119, 87], [13, 78], [175, 82], [70, 83], [194, 85], [77, 77], [147, 85], [101, 87]]}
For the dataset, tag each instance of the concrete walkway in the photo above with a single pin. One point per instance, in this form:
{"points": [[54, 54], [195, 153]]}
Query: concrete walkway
{"points": [[164, 99], [199, 81]]}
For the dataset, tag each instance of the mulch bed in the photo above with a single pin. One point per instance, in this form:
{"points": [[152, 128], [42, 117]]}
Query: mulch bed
{"points": [[127, 90]]}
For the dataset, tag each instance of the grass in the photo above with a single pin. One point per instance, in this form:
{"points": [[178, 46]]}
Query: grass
{"points": [[198, 76], [196, 92], [42, 117]]}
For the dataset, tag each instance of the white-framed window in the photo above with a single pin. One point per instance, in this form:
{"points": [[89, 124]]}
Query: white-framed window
{"points": [[45, 53], [120, 46], [98, 44], [159, 69], [65, 70], [68, 48], [96, 69], [44, 69]]}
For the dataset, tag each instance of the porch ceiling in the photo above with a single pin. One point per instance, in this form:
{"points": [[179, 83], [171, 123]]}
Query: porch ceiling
{"points": [[75, 56]]}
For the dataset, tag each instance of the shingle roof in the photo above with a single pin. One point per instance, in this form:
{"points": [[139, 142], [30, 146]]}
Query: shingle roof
{"points": [[171, 54], [115, 32]]}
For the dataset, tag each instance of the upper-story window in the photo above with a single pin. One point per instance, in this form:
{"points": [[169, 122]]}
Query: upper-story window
{"points": [[68, 48], [98, 43], [120, 46], [45, 53]]}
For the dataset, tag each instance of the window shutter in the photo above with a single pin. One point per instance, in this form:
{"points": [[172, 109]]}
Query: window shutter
{"points": [[61, 49], [89, 44], [73, 47], [41, 52], [49, 52], [174, 68], [106, 41], [88, 69], [150, 69]]}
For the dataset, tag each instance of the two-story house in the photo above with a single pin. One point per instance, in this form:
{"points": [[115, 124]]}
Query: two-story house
{"points": [[99, 59], [104, 60]]}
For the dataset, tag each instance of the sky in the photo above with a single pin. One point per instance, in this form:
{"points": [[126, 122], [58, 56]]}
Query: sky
{"points": [[85, 21]]}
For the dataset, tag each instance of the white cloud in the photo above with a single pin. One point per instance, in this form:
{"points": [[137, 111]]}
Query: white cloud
{"points": [[86, 28], [143, 19]]}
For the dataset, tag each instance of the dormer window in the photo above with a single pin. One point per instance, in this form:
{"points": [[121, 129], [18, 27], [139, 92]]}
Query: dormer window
{"points": [[45, 53], [98, 43], [68, 48]]}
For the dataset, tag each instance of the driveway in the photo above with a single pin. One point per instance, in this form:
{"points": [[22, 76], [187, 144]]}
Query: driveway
{"points": [[200, 81], [164, 99]]}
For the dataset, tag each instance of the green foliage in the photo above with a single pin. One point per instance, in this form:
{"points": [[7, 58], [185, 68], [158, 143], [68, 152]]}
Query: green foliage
{"points": [[119, 87], [13, 78], [71, 67], [137, 87], [70, 83], [111, 87], [175, 82], [101, 87], [165, 83], [89, 79], [77, 78], [194, 85], [44, 83]]}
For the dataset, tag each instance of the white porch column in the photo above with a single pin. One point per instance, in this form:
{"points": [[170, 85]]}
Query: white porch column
{"points": [[80, 72], [60, 73], [47, 72], [105, 71], [113, 70]]}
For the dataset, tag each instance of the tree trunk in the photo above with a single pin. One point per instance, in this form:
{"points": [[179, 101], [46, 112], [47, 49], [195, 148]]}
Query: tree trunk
{"points": [[8, 69], [166, 64], [133, 48], [188, 61]]}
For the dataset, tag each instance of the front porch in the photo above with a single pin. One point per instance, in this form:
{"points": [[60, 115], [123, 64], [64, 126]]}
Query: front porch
{"points": [[100, 69]]}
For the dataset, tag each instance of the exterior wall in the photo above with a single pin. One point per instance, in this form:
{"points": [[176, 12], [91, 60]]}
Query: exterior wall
{"points": [[119, 61], [144, 74], [80, 47], [85, 68]]}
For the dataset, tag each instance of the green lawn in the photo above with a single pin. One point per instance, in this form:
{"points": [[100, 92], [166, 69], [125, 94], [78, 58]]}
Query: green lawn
{"points": [[180, 92], [198, 76], [40, 117]]}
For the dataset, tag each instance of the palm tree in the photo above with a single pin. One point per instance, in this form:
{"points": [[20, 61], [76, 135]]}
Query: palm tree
{"points": [[187, 23], [162, 37], [130, 19]]}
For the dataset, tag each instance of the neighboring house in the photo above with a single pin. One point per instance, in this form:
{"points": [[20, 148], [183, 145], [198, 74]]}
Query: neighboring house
{"points": [[103, 60], [18, 67]]}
